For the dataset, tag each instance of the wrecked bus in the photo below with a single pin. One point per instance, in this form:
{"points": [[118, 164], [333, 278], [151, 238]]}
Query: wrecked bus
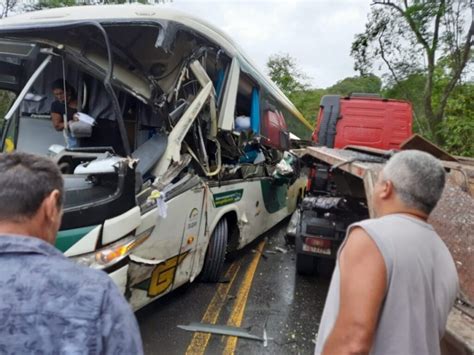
{"points": [[180, 150]]}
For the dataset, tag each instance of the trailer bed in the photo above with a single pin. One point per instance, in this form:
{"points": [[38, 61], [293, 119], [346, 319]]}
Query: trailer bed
{"points": [[453, 219]]}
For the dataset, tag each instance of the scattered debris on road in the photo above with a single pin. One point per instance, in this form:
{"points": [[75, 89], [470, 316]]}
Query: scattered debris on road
{"points": [[223, 330]]}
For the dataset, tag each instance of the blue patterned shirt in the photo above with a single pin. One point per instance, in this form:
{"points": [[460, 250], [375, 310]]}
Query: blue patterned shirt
{"points": [[50, 305]]}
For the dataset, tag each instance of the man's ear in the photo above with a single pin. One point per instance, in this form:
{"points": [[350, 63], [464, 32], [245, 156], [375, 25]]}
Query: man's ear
{"points": [[51, 206], [387, 189]]}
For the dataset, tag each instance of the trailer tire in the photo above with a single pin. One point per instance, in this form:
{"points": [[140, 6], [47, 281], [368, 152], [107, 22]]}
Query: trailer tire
{"points": [[305, 264], [325, 267], [215, 256]]}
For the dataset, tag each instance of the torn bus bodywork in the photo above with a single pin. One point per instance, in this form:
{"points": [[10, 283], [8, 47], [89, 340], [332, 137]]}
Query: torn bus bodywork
{"points": [[162, 92]]}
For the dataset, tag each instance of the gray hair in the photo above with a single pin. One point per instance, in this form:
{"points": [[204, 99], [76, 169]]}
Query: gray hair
{"points": [[25, 181], [418, 179]]}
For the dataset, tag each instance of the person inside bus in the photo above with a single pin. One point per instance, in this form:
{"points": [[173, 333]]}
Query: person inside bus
{"points": [[105, 132], [65, 103]]}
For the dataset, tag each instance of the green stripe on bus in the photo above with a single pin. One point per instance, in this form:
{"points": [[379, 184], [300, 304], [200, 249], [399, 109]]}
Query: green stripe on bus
{"points": [[228, 197], [67, 238]]}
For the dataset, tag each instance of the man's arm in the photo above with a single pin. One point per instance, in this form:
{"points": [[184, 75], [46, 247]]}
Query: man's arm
{"points": [[58, 122], [363, 280], [120, 332]]}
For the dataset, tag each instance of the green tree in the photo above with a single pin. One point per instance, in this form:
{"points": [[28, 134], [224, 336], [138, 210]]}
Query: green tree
{"points": [[357, 84], [283, 71], [411, 89], [408, 38], [307, 102], [457, 129], [49, 4]]}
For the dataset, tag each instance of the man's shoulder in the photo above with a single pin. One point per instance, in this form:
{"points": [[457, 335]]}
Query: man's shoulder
{"points": [[66, 276], [66, 268], [393, 219], [29, 257], [57, 107]]}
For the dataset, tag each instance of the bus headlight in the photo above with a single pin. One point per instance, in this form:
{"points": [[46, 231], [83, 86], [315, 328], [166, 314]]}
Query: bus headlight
{"points": [[112, 253]]}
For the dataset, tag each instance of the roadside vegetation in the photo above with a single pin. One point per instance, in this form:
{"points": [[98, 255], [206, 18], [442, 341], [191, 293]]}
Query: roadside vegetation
{"points": [[421, 52]]}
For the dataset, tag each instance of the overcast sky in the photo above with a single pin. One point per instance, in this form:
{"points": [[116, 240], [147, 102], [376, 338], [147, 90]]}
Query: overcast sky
{"points": [[317, 33]]}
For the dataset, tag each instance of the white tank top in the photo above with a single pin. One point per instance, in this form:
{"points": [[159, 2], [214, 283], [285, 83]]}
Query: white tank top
{"points": [[422, 285]]}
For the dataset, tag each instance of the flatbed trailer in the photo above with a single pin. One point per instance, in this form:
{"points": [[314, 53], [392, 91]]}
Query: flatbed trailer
{"points": [[453, 219]]}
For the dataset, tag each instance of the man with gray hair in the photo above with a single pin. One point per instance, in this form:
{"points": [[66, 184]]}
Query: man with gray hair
{"points": [[395, 281], [48, 304]]}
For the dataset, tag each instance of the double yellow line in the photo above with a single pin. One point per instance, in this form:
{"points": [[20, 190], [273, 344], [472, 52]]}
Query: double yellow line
{"points": [[199, 341]]}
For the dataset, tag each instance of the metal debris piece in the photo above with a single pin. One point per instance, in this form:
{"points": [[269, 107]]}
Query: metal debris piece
{"points": [[173, 171], [281, 250], [418, 142], [220, 329]]}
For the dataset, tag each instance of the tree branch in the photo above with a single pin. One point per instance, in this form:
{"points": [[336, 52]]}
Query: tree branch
{"points": [[466, 51], [410, 21], [387, 63], [439, 13], [399, 83]]}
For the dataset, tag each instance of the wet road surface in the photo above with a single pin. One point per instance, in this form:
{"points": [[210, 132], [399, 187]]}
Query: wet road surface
{"points": [[260, 290]]}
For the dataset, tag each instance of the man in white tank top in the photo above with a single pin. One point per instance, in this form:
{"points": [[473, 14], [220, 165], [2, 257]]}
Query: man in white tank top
{"points": [[395, 281]]}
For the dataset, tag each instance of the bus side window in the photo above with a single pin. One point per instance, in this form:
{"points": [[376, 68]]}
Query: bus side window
{"points": [[247, 108]]}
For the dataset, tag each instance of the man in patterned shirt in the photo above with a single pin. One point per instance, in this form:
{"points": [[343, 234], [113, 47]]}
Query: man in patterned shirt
{"points": [[48, 304]]}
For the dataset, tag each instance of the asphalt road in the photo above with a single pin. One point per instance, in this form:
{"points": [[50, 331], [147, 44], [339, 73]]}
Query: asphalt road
{"points": [[260, 290]]}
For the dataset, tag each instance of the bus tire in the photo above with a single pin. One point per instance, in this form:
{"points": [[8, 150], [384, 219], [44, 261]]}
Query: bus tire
{"points": [[215, 256], [305, 264]]}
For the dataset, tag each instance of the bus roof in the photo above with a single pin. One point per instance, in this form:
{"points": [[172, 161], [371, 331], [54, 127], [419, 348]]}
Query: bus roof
{"points": [[139, 13]]}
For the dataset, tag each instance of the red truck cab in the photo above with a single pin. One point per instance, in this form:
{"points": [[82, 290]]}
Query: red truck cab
{"points": [[332, 201], [364, 120]]}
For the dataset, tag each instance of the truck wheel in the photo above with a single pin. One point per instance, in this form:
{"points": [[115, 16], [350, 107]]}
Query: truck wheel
{"points": [[305, 264], [215, 256]]}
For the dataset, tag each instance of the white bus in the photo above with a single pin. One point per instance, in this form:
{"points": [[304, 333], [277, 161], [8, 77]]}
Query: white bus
{"points": [[173, 146]]}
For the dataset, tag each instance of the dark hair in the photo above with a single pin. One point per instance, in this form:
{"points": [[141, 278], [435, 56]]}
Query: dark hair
{"points": [[25, 181], [59, 84]]}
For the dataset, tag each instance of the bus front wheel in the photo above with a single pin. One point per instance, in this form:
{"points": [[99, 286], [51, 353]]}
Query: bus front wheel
{"points": [[216, 250]]}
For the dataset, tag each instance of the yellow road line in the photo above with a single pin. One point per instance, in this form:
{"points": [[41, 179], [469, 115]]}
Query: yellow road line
{"points": [[199, 341], [241, 300]]}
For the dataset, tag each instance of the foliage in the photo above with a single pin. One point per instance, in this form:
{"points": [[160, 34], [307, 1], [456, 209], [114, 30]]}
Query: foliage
{"points": [[6, 99], [458, 127], [357, 84], [283, 71], [408, 38], [48, 4], [456, 130], [411, 89], [307, 102]]}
